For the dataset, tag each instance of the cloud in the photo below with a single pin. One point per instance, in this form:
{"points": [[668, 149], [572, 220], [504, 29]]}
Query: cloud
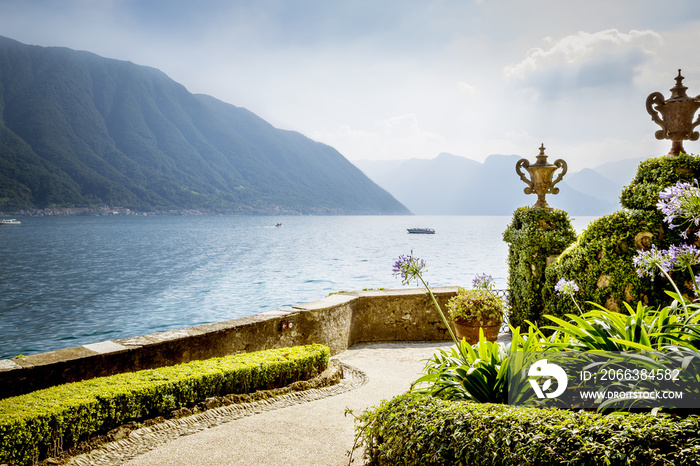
{"points": [[398, 137], [585, 60], [466, 89]]}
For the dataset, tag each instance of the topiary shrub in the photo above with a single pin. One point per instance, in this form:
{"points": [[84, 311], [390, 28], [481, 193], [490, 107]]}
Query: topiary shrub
{"points": [[600, 261], [414, 429], [654, 175], [536, 237]]}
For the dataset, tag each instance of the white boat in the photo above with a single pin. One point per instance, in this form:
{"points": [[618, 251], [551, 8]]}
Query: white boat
{"points": [[421, 231], [10, 221]]}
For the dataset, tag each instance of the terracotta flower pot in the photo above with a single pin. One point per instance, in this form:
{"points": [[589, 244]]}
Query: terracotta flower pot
{"points": [[470, 331]]}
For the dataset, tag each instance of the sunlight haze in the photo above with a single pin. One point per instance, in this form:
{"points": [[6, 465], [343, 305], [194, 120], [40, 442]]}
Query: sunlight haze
{"points": [[404, 79]]}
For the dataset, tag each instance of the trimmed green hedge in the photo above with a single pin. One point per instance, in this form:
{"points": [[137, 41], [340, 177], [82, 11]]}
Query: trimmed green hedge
{"points": [[34, 425], [600, 262], [653, 175], [533, 236], [414, 429]]}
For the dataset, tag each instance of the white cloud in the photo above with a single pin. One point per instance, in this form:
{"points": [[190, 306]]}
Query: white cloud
{"points": [[585, 60], [466, 89]]}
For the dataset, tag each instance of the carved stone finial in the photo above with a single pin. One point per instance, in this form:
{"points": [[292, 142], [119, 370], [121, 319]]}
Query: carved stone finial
{"points": [[541, 174], [675, 115]]}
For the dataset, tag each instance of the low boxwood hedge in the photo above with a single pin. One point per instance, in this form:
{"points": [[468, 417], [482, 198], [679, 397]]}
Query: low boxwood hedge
{"points": [[415, 429], [34, 425]]}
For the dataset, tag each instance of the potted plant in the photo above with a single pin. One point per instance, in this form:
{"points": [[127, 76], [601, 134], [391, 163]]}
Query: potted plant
{"points": [[471, 310]]}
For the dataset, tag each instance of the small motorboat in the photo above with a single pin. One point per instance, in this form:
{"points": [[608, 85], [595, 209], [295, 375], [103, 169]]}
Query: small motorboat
{"points": [[10, 221], [421, 231], [278, 225]]}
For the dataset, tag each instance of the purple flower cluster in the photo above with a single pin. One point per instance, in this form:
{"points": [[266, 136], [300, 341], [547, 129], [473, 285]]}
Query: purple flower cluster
{"points": [[567, 287], [483, 282], [681, 201], [408, 268], [650, 262], [664, 261]]}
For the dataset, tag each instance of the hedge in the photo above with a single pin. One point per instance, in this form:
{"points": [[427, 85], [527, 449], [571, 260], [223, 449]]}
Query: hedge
{"points": [[35, 425], [655, 174], [600, 261], [414, 429], [534, 236]]}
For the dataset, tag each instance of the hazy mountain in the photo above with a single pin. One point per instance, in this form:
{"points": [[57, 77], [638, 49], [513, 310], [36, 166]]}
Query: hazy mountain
{"points": [[450, 184], [593, 183], [77, 129], [621, 172]]}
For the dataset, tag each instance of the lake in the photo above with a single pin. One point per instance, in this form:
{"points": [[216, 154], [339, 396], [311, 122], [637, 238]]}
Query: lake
{"points": [[69, 281]]}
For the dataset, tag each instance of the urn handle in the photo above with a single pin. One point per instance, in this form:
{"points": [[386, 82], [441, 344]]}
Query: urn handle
{"points": [[525, 164], [694, 136], [657, 99], [559, 163]]}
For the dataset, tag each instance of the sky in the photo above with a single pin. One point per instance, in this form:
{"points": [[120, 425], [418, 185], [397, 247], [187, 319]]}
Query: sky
{"points": [[399, 79]]}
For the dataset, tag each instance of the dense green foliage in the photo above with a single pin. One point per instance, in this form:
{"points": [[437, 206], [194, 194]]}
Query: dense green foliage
{"points": [[534, 237], [479, 372], [415, 429], [80, 130], [32, 425], [600, 261], [661, 334], [653, 175], [633, 329], [475, 306]]}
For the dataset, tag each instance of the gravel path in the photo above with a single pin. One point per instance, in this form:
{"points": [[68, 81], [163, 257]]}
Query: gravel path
{"points": [[303, 428]]}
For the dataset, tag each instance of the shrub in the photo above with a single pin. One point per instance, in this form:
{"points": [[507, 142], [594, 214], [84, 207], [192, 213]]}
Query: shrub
{"points": [[653, 175], [536, 237], [478, 306], [600, 261], [479, 372], [32, 425], [415, 429]]}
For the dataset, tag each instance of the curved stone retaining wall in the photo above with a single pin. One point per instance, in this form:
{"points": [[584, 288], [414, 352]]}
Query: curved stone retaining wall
{"points": [[338, 321]]}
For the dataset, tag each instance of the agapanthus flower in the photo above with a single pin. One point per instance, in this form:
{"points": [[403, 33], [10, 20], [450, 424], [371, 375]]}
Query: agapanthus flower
{"points": [[651, 261], [409, 268], [567, 287], [483, 282], [681, 201], [683, 256]]}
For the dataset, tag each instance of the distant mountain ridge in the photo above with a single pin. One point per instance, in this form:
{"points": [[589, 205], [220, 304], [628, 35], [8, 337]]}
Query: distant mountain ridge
{"points": [[454, 185], [77, 129]]}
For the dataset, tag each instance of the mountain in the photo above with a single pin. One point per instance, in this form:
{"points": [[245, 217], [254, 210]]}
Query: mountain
{"points": [[597, 185], [621, 172], [77, 129], [454, 185]]}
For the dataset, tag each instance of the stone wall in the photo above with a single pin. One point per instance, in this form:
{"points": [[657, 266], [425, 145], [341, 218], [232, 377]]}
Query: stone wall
{"points": [[338, 321]]}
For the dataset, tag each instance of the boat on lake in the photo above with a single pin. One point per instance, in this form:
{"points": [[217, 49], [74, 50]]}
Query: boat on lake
{"points": [[10, 221], [421, 231]]}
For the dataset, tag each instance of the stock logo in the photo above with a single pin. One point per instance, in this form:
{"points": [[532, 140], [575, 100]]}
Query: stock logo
{"points": [[542, 369]]}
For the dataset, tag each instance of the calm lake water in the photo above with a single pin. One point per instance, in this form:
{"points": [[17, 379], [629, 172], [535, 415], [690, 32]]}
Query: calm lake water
{"points": [[70, 281]]}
